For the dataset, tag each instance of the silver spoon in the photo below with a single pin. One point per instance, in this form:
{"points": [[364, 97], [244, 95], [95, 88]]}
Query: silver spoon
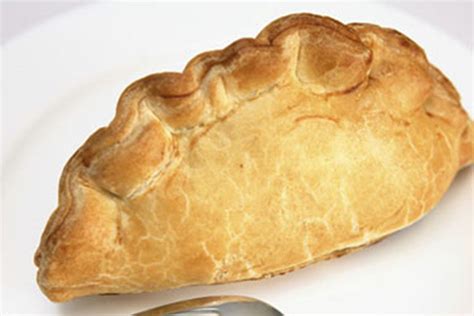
{"points": [[215, 306]]}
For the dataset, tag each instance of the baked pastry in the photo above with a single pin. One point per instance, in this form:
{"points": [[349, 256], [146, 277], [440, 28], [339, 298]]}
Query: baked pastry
{"points": [[309, 142]]}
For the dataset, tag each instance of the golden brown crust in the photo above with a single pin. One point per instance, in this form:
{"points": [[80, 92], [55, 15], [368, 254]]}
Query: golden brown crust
{"points": [[323, 136]]}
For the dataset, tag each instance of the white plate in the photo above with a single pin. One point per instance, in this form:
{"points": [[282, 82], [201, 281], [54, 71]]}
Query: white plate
{"points": [[61, 82]]}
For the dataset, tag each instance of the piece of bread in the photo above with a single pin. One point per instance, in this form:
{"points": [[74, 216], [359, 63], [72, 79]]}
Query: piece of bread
{"points": [[311, 141]]}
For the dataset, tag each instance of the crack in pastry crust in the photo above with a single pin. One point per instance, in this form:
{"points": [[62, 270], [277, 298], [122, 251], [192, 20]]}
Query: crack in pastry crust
{"points": [[321, 136]]}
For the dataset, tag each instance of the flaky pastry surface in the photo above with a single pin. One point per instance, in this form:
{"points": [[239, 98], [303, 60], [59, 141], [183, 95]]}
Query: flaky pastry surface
{"points": [[310, 141]]}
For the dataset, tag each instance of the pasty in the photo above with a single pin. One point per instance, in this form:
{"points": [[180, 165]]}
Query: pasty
{"points": [[308, 142]]}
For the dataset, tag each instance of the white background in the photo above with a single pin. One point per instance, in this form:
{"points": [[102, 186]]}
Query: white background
{"points": [[454, 17], [64, 66]]}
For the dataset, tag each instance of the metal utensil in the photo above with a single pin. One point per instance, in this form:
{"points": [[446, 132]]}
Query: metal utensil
{"points": [[215, 306]]}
